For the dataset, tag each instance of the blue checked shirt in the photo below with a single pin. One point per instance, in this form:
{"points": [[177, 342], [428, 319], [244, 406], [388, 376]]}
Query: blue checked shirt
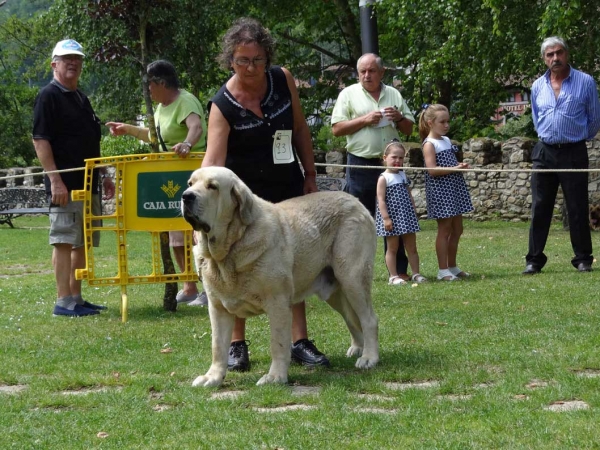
{"points": [[572, 117]]}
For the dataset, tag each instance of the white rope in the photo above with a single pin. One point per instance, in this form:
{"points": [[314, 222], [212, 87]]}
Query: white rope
{"points": [[407, 168], [452, 169], [25, 175]]}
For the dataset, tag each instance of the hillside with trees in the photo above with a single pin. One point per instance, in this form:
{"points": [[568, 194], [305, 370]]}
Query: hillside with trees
{"points": [[457, 52]]}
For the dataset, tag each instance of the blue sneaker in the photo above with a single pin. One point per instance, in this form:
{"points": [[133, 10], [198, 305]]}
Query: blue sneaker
{"points": [[89, 305], [78, 311]]}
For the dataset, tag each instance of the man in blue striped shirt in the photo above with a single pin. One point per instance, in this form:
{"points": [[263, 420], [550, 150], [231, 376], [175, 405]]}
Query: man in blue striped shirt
{"points": [[566, 113]]}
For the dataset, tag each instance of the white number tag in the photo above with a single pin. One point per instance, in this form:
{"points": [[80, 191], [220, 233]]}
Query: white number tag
{"points": [[282, 147]]}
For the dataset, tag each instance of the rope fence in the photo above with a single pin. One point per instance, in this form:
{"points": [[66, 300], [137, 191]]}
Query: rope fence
{"points": [[25, 175], [405, 168], [470, 169]]}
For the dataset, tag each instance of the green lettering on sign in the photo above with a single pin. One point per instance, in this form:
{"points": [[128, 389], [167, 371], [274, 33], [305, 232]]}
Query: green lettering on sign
{"points": [[159, 194]]}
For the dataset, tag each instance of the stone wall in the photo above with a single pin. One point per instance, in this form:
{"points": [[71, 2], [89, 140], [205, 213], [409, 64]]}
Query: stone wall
{"points": [[499, 195], [25, 176]]}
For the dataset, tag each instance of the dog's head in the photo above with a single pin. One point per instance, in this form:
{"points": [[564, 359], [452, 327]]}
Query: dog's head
{"points": [[213, 199], [595, 217]]}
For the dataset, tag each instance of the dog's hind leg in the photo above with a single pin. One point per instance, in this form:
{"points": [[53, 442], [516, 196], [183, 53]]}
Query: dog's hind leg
{"points": [[339, 302], [279, 311], [221, 323]]}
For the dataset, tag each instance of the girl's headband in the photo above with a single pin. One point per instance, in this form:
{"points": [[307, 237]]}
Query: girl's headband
{"points": [[392, 142]]}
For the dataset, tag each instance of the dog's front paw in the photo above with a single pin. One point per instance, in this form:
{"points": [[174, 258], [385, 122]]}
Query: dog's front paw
{"points": [[354, 351], [207, 381], [272, 379], [364, 362]]}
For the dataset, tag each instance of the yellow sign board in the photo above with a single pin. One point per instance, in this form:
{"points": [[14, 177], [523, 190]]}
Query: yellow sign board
{"points": [[148, 192]]}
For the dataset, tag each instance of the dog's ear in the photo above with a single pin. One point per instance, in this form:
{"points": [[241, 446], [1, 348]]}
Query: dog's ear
{"points": [[245, 201]]}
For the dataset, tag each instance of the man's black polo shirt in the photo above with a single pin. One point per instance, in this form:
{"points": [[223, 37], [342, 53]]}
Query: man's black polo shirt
{"points": [[66, 119]]}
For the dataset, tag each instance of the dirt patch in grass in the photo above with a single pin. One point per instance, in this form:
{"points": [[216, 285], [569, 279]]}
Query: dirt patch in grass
{"points": [[587, 373], [412, 385], [91, 390], [226, 395], [286, 408], [536, 384], [306, 390], [161, 408], [12, 389], [567, 405], [455, 397], [375, 398]]}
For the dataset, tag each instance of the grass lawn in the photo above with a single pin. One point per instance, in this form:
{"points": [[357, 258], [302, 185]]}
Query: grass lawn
{"points": [[474, 364]]}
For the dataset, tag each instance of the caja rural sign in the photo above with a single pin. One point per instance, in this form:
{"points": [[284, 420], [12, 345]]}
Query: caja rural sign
{"points": [[159, 194]]}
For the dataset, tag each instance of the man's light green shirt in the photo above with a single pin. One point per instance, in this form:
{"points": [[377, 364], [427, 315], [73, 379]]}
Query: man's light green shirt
{"points": [[354, 101]]}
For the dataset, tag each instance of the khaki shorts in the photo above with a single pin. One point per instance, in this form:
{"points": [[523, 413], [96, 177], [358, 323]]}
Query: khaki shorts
{"points": [[66, 223]]}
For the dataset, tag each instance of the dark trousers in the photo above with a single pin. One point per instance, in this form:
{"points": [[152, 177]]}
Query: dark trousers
{"points": [[362, 183], [544, 187]]}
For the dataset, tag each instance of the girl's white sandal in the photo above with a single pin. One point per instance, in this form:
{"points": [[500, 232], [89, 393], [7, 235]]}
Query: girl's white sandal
{"points": [[396, 280], [418, 278], [459, 273], [446, 275]]}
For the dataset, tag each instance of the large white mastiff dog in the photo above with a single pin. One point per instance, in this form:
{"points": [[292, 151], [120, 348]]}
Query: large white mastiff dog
{"points": [[258, 257]]}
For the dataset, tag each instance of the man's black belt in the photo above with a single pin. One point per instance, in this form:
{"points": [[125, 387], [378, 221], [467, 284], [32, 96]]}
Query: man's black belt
{"points": [[565, 145]]}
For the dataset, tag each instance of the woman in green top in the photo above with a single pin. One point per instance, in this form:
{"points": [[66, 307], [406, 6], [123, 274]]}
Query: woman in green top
{"points": [[181, 127]]}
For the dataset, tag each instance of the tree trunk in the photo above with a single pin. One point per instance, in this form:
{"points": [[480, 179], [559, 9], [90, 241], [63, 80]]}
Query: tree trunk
{"points": [[169, 300], [350, 29]]}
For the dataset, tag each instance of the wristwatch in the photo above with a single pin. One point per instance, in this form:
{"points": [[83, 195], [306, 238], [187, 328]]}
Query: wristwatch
{"points": [[188, 144]]}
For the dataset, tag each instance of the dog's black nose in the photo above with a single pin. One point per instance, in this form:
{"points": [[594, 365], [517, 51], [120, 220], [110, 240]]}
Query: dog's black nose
{"points": [[188, 197]]}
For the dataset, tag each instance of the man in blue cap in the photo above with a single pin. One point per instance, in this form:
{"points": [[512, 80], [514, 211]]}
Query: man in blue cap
{"points": [[66, 132]]}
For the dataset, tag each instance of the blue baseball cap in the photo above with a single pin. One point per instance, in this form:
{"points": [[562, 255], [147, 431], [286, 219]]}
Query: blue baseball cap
{"points": [[67, 47]]}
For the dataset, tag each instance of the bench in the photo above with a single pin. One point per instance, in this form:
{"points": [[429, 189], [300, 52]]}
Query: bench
{"points": [[18, 201]]}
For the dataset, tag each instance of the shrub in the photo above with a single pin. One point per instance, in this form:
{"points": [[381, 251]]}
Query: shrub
{"points": [[123, 145], [326, 141], [518, 126]]}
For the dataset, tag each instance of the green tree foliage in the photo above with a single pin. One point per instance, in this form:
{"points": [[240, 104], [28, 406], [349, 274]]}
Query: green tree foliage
{"points": [[182, 31], [20, 74], [16, 99], [458, 52], [453, 52], [24, 9]]}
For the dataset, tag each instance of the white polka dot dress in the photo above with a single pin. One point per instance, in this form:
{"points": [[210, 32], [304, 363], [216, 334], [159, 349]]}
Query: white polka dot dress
{"points": [[447, 195], [400, 208]]}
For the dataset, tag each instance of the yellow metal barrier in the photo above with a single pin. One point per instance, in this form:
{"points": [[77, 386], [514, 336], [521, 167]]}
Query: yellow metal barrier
{"points": [[148, 192]]}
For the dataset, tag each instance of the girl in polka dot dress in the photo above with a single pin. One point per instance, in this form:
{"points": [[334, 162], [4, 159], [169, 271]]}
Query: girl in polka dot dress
{"points": [[445, 190], [396, 214]]}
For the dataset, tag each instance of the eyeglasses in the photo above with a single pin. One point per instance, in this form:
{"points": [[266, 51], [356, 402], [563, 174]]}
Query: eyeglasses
{"points": [[245, 62]]}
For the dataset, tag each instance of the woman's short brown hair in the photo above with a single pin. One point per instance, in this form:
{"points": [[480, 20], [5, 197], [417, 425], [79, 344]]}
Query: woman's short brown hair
{"points": [[245, 31]]}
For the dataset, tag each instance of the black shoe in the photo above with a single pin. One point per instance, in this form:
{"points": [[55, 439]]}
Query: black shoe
{"points": [[238, 360], [78, 311], [584, 267], [530, 269], [304, 352], [89, 305]]}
